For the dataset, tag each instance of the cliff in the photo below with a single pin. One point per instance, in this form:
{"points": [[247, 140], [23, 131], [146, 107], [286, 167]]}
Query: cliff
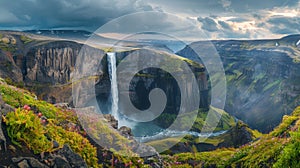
{"points": [[262, 78], [46, 66]]}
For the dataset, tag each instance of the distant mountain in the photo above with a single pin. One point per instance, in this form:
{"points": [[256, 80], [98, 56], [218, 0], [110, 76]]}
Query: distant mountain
{"points": [[81, 36], [262, 77], [65, 34]]}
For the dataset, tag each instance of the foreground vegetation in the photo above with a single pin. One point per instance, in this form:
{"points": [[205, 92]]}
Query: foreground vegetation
{"points": [[43, 127], [280, 148]]}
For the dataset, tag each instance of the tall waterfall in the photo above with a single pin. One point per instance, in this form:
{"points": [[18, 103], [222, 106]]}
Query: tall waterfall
{"points": [[112, 68], [155, 132]]}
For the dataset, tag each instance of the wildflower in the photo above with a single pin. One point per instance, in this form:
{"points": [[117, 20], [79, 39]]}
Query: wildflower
{"points": [[104, 154], [26, 107]]}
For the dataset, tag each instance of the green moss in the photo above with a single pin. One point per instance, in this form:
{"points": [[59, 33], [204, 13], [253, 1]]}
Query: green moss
{"points": [[205, 159], [291, 153], [18, 97], [77, 143], [23, 125], [25, 39], [287, 121], [113, 139]]}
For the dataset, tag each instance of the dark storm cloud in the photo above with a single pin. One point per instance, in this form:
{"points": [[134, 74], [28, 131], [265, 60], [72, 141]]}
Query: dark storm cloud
{"points": [[66, 13], [208, 24]]}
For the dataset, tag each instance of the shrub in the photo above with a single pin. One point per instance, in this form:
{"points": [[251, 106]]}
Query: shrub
{"points": [[23, 125], [291, 153]]}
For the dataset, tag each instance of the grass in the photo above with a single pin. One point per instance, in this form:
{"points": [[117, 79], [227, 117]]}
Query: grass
{"points": [[25, 127], [25, 39], [225, 123], [6, 44], [277, 149]]}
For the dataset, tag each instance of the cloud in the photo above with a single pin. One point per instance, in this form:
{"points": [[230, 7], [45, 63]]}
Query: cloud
{"points": [[224, 25], [208, 24], [218, 18], [285, 25], [247, 6], [7, 17], [239, 19], [68, 13]]}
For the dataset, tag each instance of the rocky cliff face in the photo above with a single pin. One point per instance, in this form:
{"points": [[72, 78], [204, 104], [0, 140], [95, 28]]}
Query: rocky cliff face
{"points": [[49, 63], [46, 67], [262, 78], [143, 82]]}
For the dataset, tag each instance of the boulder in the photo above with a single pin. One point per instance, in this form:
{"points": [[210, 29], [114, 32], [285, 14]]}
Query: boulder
{"points": [[31, 162], [73, 158], [64, 157], [61, 162], [126, 132], [2, 137], [23, 164], [5, 108], [111, 120]]}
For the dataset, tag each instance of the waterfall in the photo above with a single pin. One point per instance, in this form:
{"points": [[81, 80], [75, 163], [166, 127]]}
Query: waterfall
{"points": [[156, 133], [112, 68]]}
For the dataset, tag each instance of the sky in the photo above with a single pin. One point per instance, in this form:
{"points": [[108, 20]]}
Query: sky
{"points": [[219, 19]]}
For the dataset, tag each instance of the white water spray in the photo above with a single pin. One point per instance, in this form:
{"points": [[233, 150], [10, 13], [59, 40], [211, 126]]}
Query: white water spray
{"points": [[112, 68]]}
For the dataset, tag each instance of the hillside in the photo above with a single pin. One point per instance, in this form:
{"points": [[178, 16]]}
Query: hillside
{"points": [[262, 77], [279, 148], [40, 134], [36, 133]]}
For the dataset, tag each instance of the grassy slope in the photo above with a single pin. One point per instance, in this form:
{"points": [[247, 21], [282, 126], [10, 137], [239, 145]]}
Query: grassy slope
{"points": [[225, 123], [280, 148], [25, 126]]}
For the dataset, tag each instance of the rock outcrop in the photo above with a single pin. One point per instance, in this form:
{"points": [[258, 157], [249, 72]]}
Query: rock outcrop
{"points": [[111, 120], [239, 135], [64, 157], [50, 63], [4, 109]]}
